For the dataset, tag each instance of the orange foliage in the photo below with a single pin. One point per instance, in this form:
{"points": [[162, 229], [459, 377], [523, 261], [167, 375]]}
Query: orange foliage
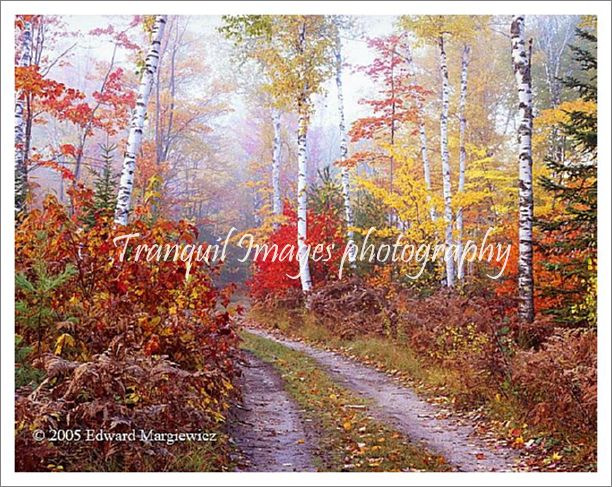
{"points": [[122, 324]]}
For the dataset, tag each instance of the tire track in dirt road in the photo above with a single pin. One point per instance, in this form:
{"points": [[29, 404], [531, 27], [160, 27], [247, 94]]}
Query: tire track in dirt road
{"points": [[267, 427], [400, 407]]}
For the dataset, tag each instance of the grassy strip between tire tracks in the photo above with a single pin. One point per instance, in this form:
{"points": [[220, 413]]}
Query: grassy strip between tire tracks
{"points": [[350, 440]]}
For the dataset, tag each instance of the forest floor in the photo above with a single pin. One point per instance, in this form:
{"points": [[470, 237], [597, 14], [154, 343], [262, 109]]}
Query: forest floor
{"points": [[306, 408]]}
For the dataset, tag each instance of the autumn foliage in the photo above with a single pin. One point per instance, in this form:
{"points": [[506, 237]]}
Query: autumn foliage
{"points": [[114, 344], [271, 277], [479, 356], [120, 344]]}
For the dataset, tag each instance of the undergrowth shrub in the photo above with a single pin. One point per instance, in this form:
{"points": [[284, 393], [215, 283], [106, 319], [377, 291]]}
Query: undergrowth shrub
{"points": [[121, 324], [469, 333], [363, 309], [558, 383], [116, 392]]}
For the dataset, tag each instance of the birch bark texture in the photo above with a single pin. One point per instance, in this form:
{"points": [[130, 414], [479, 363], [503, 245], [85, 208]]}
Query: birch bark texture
{"points": [[521, 61], [302, 195], [21, 168], [421, 122], [277, 207], [465, 59], [345, 176], [446, 173], [126, 183], [302, 183]]}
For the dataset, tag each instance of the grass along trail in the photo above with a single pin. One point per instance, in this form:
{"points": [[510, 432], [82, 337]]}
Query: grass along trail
{"points": [[345, 436], [402, 409]]}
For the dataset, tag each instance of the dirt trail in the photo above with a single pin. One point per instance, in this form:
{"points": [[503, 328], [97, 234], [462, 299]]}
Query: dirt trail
{"points": [[400, 407], [267, 427]]}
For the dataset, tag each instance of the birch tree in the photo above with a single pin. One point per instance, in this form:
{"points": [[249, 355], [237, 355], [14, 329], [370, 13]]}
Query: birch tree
{"points": [[252, 35], [21, 168], [421, 123], [521, 61], [306, 44], [554, 34], [277, 207], [302, 196], [446, 172], [164, 125], [345, 176], [297, 52], [126, 183], [462, 152], [439, 28], [434, 29]]}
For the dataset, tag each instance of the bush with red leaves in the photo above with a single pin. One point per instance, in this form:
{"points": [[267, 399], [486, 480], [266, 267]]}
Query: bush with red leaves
{"points": [[271, 276], [558, 383], [136, 344]]}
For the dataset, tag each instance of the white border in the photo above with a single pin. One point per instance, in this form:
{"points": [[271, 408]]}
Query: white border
{"points": [[10, 9]]}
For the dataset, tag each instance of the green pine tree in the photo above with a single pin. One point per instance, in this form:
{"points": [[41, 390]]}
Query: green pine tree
{"points": [[25, 373], [326, 195], [105, 183], [35, 290], [105, 189], [573, 183]]}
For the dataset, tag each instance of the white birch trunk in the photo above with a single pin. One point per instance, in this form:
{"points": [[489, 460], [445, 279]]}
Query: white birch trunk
{"points": [[302, 186], [462, 153], [302, 183], [277, 207], [21, 168], [446, 175], [422, 131], [126, 183], [346, 186], [521, 61], [425, 158]]}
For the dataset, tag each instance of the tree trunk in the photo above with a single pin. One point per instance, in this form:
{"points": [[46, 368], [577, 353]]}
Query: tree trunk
{"points": [[422, 131], [346, 188], [302, 185], [462, 153], [446, 175], [158, 110], [167, 140], [21, 163], [521, 60], [277, 207], [393, 109], [126, 184]]}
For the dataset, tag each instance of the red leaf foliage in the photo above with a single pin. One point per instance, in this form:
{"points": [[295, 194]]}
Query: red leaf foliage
{"points": [[147, 348], [271, 276]]}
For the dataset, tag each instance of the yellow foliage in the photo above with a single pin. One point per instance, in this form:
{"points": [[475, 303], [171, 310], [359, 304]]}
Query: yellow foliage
{"points": [[64, 340], [460, 27], [296, 69]]}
